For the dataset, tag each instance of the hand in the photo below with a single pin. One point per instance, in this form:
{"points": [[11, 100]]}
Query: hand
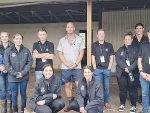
{"points": [[5, 71], [73, 66], [41, 102], [68, 65], [109, 68], [54, 96], [85, 111], [148, 77], [144, 75], [82, 109], [19, 76], [2, 68], [126, 70]]}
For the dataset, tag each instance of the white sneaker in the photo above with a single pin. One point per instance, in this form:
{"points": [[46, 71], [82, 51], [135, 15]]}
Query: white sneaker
{"points": [[133, 109], [122, 107]]}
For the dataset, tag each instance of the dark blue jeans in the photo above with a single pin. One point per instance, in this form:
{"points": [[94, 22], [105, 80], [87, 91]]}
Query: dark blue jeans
{"points": [[14, 88], [5, 89], [103, 75]]}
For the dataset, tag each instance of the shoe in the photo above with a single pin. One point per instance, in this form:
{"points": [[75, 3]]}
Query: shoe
{"points": [[122, 107], [71, 99], [142, 112], [4, 106], [133, 109], [9, 106], [107, 106]]}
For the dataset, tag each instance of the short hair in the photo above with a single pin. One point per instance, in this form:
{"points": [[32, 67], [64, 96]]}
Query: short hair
{"points": [[87, 67], [18, 34], [48, 65], [68, 23], [139, 24], [129, 34], [41, 30], [6, 33], [100, 30]]}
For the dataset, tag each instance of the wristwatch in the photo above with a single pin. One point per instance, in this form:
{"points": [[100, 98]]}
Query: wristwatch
{"points": [[140, 71], [76, 64]]}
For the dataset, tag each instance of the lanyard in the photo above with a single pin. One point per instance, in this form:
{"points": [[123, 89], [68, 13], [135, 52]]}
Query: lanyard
{"points": [[41, 47], [101, 48]]}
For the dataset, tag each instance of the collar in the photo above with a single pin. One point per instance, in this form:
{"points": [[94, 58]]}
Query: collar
{"points": [[90, 82], [44, 42], [101, 44], [13, 48], [1, 45], [47, 80]]}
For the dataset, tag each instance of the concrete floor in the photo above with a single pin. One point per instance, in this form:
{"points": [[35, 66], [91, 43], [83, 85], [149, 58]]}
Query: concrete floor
{"points": [[114, 95]]}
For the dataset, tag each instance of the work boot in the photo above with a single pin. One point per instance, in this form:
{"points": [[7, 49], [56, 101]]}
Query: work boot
{"points": [[9, 106], [70, 99], [4, 106]]}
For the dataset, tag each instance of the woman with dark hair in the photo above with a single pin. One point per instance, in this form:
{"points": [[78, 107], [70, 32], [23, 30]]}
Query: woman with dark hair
{"points": [[18, 62], [5, 90], [127, 72], [89, 94], [46, 97]]}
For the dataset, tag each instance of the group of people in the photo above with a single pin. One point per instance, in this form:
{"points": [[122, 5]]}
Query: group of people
{"points": [[132, 66]]}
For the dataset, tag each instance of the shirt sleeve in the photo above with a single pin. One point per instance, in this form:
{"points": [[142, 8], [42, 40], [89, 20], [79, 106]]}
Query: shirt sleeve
{"points": [[82, 45], [140, 52], [59, 48], [51, 50], [93, 50], [34, 48], [111, 50]]}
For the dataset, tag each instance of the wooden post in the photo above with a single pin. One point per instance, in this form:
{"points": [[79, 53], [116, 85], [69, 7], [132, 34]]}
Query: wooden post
{"points": [[89, 31]]}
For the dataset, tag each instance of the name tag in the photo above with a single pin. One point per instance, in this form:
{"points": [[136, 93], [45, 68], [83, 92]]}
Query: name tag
{"points": [[128, 62], [43, 60], [102, 59]]}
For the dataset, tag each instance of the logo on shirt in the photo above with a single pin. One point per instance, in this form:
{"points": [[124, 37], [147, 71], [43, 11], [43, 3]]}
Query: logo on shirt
{"points": [[42, 90], [106, 49], [13, 54], [82, 87], [121, 53], [46, 49], [25, 53]]}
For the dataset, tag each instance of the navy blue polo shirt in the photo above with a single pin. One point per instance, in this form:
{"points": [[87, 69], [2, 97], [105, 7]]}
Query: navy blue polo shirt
{"points": [[144, 53], [47, 47], [106, 50]]}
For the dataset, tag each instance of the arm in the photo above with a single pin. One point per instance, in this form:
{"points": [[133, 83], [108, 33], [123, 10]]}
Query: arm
{"points": [[28, 64], [111, 61], [7, 64], [93, 62], [144, 75], [39, 55], [49, 56], [98, 98]]}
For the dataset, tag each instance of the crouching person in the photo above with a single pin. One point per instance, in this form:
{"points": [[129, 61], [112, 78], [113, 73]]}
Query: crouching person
{"points": [[89, 94], [46, 97]]}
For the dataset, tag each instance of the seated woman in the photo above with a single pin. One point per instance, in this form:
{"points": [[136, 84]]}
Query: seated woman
{"points": [[89, 94], [46, 97]]}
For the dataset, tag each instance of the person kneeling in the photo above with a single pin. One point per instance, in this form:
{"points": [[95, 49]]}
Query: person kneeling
{"points": [[89, 94], [46, 97]]}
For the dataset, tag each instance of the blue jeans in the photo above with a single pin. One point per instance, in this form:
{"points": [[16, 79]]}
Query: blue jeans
{"points": [[103, 75], [145, 85], [38, 74], [5, 87], [14, 88]]}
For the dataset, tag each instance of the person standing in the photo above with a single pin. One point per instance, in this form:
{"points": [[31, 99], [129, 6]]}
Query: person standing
{"points": [[102, 61], [5, 90], [70, 51], [144, 70], [43, 52], [127, 72], [18, 61]]}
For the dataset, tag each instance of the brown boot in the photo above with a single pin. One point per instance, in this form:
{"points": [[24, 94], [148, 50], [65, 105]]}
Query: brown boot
{"points": [[4, 106], [107, 106]]}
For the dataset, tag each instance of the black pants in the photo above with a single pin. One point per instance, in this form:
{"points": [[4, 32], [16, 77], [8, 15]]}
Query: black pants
{"points": [[74, 106], [126, 85], [53, 107]]}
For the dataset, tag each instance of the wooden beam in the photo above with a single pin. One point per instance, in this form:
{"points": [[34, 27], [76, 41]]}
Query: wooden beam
{"points": [[89, 31]]}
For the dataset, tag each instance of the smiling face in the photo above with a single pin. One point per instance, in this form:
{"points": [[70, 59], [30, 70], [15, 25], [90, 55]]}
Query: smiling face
{"points": [[139, 30], [18, 40], [101, 35], [128, 40], [88, 74], [47, 72], [70, 28], [42, 35], [4, 37]]}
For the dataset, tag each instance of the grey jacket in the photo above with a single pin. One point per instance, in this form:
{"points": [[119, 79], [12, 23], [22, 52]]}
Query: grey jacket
{"points": [[95, 94], [121, 62], [15, 62], [44, 92]]}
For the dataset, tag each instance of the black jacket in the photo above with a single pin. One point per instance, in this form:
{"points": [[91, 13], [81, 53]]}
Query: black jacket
{"points": [[95, 94], [121, 62], [15, 62], [135, 42], [43, 92]]}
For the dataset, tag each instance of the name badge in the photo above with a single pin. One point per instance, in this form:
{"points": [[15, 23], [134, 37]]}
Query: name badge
{"points": [[102, 59], [128, 62], [43, 60]]}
